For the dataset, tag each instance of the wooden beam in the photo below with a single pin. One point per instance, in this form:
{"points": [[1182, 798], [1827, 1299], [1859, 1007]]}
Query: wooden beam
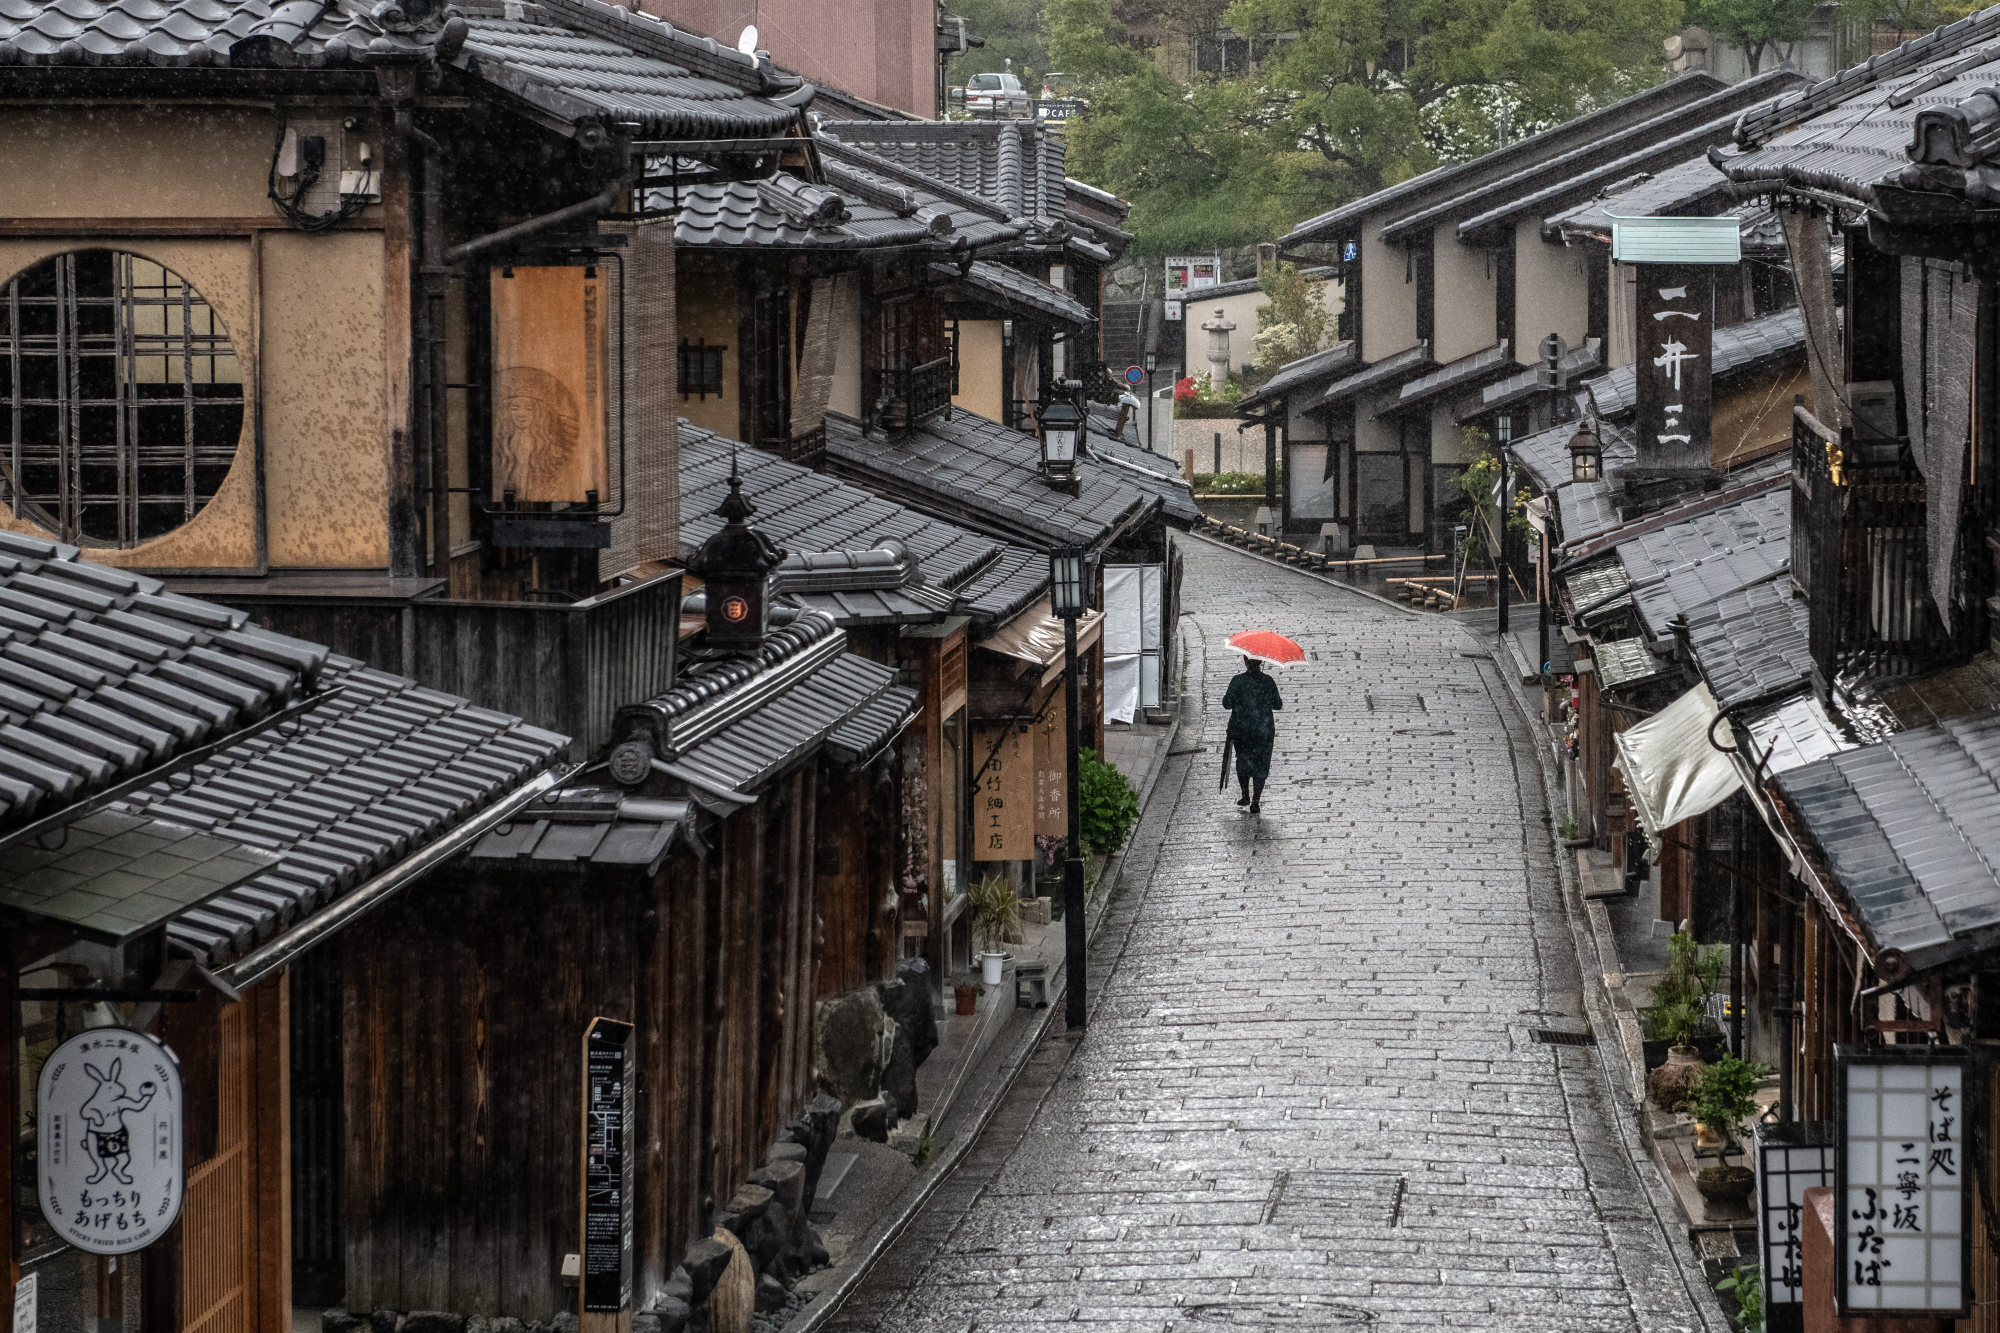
{"points": [[271, 1218]]}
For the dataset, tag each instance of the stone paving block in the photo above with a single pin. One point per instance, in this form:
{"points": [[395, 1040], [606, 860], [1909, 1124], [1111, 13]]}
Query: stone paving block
{"points": [[1337, 994]]}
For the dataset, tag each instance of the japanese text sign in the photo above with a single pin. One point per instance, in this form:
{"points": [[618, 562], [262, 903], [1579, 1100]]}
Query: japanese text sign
{"points": [[1791, 1159], [108, 1123], [1676, 340], [1051, 732], [1903, 1180], [1003, 808], [607, 1166]]}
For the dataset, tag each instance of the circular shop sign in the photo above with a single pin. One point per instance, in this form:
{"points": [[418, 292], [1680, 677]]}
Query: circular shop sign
{"points": [[108, 1121]]}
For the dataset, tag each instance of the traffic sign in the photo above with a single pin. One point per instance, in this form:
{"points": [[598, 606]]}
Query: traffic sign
{"points": [[1134, 375]]}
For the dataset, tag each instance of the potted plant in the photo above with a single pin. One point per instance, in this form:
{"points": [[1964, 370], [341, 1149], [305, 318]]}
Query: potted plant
{"points": [[996, 918], [1725, 1095], [1676, 1024]]}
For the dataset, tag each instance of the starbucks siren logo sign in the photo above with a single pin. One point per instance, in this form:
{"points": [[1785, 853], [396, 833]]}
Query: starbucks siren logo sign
{"points": [[108, 1117]]}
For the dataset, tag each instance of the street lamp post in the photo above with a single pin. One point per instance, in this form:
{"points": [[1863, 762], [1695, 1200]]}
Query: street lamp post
{"points": [[1069, 598]]}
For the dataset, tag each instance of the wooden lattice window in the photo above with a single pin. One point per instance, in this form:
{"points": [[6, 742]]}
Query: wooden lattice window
{"points": [[700, 369], [123, 398]]}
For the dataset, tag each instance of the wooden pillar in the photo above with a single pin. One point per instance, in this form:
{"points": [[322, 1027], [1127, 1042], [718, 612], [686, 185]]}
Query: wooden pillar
{"points": [[271, 1227]]}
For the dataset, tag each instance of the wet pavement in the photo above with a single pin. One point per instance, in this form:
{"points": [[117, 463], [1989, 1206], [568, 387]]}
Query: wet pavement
{"points": [[1311, 1095]]}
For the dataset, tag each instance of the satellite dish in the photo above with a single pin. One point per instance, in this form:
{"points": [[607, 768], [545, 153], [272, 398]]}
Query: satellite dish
{"points": [[747, 43]]}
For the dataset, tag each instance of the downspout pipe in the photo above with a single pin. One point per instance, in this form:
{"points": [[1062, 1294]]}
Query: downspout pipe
{"points": [[595, 206]]}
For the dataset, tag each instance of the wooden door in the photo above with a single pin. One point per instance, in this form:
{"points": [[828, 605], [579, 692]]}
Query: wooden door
{"points": [[217, 1257]]}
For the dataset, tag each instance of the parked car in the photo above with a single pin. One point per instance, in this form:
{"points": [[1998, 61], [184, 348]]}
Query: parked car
{"points": [[991, 95]]}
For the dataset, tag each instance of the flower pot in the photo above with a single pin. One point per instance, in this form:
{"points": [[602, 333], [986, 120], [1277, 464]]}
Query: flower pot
{"points": [[968, 999], [990, 966], [1726, 1184], [1684, 1055]]}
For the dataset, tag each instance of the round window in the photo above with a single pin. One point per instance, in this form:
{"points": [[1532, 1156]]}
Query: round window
{"points": [[122, 395]]}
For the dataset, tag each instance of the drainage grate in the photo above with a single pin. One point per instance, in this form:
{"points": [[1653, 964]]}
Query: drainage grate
{"points": [[1395, 703], [1304, 1312], [1553, 1037], [1303, 1200]]}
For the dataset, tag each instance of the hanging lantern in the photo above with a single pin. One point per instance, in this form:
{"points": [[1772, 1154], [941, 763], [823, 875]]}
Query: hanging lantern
{"points": [[1062, 432], [1586, 456]]}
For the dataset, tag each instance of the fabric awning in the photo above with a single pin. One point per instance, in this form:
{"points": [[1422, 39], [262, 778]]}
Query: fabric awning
{"points": [[1671, 768], [1036, 636]]}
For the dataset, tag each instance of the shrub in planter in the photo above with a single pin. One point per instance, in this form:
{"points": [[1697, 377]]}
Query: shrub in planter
{"points": [[1725, 1094], [996, 911], [1109, 806], [1725, 1184]]}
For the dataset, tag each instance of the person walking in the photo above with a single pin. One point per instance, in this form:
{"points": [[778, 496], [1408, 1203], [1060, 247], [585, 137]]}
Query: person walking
{"points": [[1251, 699]]}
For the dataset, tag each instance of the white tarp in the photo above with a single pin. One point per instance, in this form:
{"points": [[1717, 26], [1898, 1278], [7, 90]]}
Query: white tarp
{"points": [[1036, 636], [1134, 629], [1670, 767]]}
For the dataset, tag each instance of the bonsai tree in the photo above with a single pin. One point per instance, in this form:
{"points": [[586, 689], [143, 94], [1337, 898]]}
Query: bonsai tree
{"points": [[1725, 1094], [996, 911]]}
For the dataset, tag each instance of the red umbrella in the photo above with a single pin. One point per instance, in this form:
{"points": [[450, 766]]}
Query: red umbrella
{"points": [[1267, 647]]}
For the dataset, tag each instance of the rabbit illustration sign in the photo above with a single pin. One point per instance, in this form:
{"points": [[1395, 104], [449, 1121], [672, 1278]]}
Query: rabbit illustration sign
{"points": [[108, 1140]]}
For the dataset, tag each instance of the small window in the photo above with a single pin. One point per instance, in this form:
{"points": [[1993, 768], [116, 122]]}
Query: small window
{"points": [[980, 83], [123, 398], [700, 369]]}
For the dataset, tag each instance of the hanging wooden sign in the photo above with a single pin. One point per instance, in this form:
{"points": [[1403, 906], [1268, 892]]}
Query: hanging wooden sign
{"points": [[108, 1129], [607, 1166], [551, 354], [1676, 317], [1003, 812]]}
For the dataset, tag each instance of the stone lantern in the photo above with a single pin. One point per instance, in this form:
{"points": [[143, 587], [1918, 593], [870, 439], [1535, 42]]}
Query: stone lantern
{"points": [[1218, 328]]}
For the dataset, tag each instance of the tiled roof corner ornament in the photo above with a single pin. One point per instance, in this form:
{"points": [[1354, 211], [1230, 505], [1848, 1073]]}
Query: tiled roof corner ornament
{"points": [[1957, 136], [735, 567]]}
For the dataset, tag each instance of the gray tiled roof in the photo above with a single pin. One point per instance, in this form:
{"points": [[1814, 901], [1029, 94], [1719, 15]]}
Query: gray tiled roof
{"points": [[1017, 164], [1739, 349], [1844, 135], [1150, 473], [1525, 384], [1016, 290], [1681, 567], [1467, 370], [1626, 662], [969, 222], [983, 475], [117, 875], [1794, 734], [802, 510], [1595, 586], [1388, 373], [1544, 456], [380, 769], [1910, 829], [871, 726], [1007, 586], [1555, 184], [1685, 189], [577, 60], [738, 722], [1585, 510], [1751, 643], [787, 212], [104, 676], [1464, 177], [588, 826], [1307, 372]]}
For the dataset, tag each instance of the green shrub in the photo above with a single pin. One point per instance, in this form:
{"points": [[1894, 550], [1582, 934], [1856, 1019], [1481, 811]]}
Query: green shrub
{"points": [[1109, 805], [1229, 483], [1747, 1286], [996, 911], [1725, 1093]]}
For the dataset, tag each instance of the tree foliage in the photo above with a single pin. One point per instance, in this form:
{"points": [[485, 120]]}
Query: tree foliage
{"points": [[1346, 97], [1294, 321], [1755, 25]]}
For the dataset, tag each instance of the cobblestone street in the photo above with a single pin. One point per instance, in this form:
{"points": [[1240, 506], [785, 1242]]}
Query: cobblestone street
{"points": [[1309, 1096]]}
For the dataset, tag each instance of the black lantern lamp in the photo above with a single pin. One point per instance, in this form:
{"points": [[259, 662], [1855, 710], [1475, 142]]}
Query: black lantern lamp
{"points": [[1062, 435], [735, 566], [1586, 455], [1069, 594]]}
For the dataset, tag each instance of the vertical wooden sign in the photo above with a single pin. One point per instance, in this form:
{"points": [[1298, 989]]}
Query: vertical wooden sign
{"points": [[1052, 770], [1676, 342], [606, 1250], [551, 355], [1003, 814]]}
